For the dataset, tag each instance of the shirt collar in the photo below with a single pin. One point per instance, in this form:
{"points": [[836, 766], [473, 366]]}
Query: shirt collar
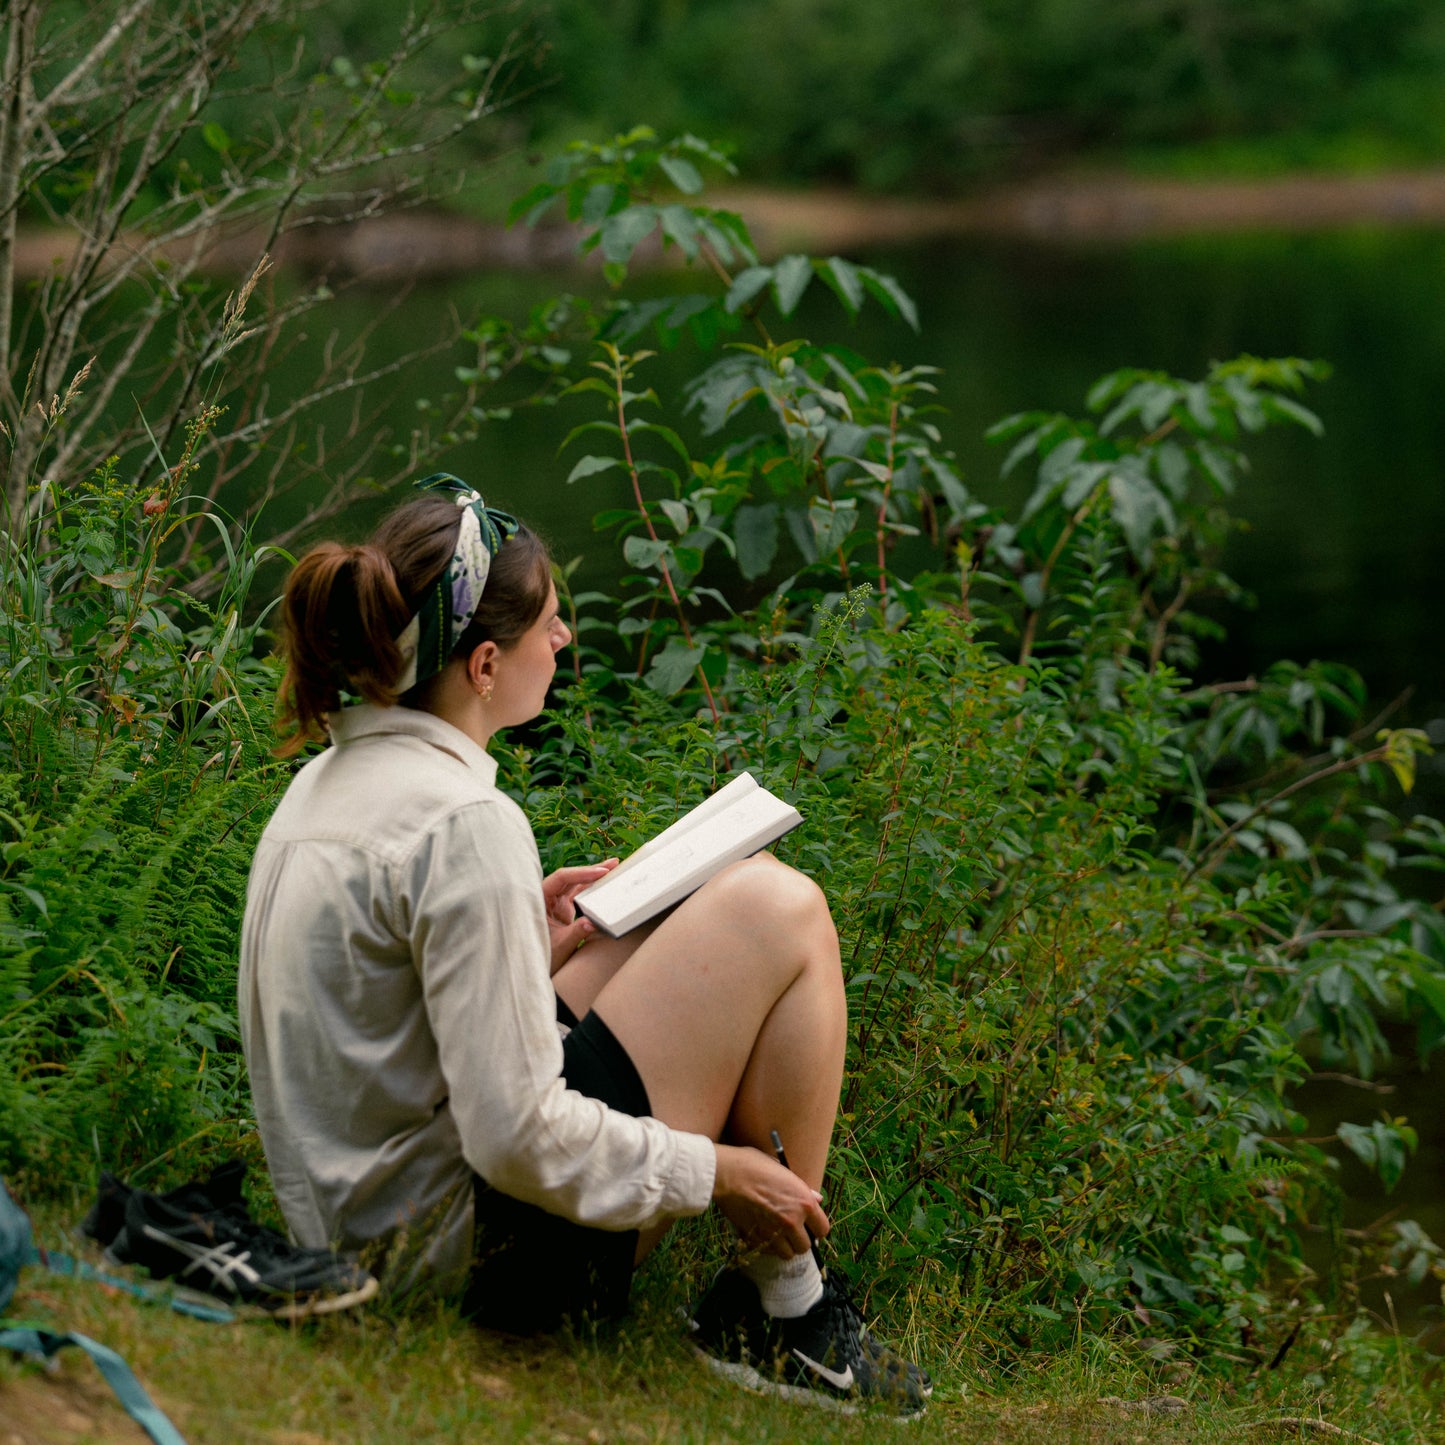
{"points": [[365, 720]]}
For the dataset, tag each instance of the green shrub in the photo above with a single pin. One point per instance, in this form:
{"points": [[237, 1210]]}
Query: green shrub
{"points": [[134, 780], [1095, 916]]}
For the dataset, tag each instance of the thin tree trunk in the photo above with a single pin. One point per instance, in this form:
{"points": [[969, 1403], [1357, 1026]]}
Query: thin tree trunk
{"points": [[14, 125]]}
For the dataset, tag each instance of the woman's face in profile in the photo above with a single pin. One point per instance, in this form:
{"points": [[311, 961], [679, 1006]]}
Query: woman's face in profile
{"points": [[525, 670]]}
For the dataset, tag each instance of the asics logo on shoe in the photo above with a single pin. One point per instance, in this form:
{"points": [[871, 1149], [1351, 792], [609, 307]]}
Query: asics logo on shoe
{"points": [[843, 1381], [219, 1260]]}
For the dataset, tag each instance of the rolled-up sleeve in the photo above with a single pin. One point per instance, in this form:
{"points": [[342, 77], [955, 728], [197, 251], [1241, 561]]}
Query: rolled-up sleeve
{"points": [[472, 898]]}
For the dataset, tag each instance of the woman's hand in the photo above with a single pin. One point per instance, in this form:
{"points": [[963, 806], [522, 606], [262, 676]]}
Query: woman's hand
{"points": [[559, 890], [771, 1208]]}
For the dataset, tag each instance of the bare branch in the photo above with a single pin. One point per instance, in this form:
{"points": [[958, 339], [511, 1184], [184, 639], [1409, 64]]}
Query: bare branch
{"points": [[87, 63]]}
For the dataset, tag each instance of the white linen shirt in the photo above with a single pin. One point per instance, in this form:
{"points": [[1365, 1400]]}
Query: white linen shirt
{"points": [[398, 1017]]}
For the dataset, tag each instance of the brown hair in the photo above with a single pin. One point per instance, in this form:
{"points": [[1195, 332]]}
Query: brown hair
{"points": [[344, 607]]}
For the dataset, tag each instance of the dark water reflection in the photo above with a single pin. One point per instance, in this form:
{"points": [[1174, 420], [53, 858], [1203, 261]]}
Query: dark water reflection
{"points": [[1403, 1090]]}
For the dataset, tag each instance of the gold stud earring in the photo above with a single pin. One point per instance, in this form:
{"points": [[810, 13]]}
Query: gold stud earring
{"points": [[484, 690]]}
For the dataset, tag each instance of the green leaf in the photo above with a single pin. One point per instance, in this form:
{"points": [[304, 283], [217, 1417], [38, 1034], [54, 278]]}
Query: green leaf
{"points": [[1108, 387], [532, 205], [610, 427], [1171, 466], [680, 225], [644, 552], [831, 523], [1385, 1146], [667, 434], [842, 277], [623, 233], [215, 137], [1218, 466], [677, 513], [893, 298], [591, 383], [790, 279], [755, 529], [1200, 406], [720, 240], [1427, 983], [1042, 1312], [1288, 409], [590, 466], [673, 667], [745, 286], [683, 174], [595, 204], [1139, 509]]}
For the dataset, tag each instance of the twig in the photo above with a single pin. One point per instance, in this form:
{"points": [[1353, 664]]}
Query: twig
{"points": [[1302, 1424], [618, 376], [1344, 765]]}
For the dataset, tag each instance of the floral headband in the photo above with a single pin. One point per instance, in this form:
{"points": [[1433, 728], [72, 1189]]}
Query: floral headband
{"points": [[447, 606]]}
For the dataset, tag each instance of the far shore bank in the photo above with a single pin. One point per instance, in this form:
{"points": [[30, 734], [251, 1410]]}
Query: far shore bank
{"points": [[1060, 210]]}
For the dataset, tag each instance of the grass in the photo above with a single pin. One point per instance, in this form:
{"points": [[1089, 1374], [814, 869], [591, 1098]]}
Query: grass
{"points": [[370, 1376]]}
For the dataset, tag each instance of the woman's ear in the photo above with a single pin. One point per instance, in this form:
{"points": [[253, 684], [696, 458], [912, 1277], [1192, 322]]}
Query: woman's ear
{"points": [[482, 669]]}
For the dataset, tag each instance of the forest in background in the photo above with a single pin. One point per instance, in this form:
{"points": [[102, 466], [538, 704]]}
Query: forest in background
{"points": [[930, 96], [933, 97], [1100, 912]]}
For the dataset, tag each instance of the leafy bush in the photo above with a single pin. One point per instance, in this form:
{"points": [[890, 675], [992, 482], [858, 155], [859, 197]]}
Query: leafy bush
{"points": [[1095, 916], [133, 780]]}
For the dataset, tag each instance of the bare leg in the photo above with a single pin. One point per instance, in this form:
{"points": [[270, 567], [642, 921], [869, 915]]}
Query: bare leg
{"points": [[578, 982], [733, 1011]]}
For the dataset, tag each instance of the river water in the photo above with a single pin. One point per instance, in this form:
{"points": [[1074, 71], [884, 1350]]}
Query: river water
{"points": [[1344, 545]]}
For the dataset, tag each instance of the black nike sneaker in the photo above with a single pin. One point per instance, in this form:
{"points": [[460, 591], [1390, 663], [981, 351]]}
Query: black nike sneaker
{"points": [[823, 1357]]}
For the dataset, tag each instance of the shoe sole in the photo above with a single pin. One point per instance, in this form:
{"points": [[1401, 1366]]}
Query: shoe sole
{"points": [[738, 1372], [294, 1310]]}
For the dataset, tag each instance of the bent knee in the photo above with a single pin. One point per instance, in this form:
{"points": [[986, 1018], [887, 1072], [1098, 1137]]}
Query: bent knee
{"points": [[762, 887]]}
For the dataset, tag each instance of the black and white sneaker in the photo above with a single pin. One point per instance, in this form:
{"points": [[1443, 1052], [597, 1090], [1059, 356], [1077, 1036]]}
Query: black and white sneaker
{"points": [[823, 1357], [105, 1220], [226, 1253]]}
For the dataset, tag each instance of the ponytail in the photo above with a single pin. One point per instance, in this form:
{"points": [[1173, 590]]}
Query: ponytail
{"points": [[341, 612]]}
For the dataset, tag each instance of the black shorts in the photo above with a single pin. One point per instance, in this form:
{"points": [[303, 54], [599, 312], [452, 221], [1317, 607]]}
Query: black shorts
{"points": [[532, 1270]]}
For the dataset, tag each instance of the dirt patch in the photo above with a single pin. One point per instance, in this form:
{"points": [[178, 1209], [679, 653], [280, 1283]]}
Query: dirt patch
{"points": [[63, 1408], [419, 245], [1106, 208]]}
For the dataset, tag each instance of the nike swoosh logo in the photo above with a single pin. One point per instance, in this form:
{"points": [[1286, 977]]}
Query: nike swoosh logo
{"points": [[837, 1381]]}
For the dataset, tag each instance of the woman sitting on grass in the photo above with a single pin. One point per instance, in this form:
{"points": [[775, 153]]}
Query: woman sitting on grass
{"points": [[442, 1072]]}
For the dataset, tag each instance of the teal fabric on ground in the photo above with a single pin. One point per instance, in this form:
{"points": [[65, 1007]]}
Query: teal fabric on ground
{"points": [[17, 1248], [28, 1340], [196, 1309], [16, 1245]]}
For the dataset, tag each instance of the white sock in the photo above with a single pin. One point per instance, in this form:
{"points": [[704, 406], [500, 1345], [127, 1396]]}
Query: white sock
{"points": [[789, 1287]]}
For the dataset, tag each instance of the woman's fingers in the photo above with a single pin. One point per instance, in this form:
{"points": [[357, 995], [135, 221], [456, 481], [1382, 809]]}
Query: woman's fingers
{"points": [[561, 887], [817, 1220], [578, 876], [568, 938], [772, 1209]]}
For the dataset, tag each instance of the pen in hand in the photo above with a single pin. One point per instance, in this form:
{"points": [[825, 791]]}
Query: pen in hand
{"points": [[781, 1156]]}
